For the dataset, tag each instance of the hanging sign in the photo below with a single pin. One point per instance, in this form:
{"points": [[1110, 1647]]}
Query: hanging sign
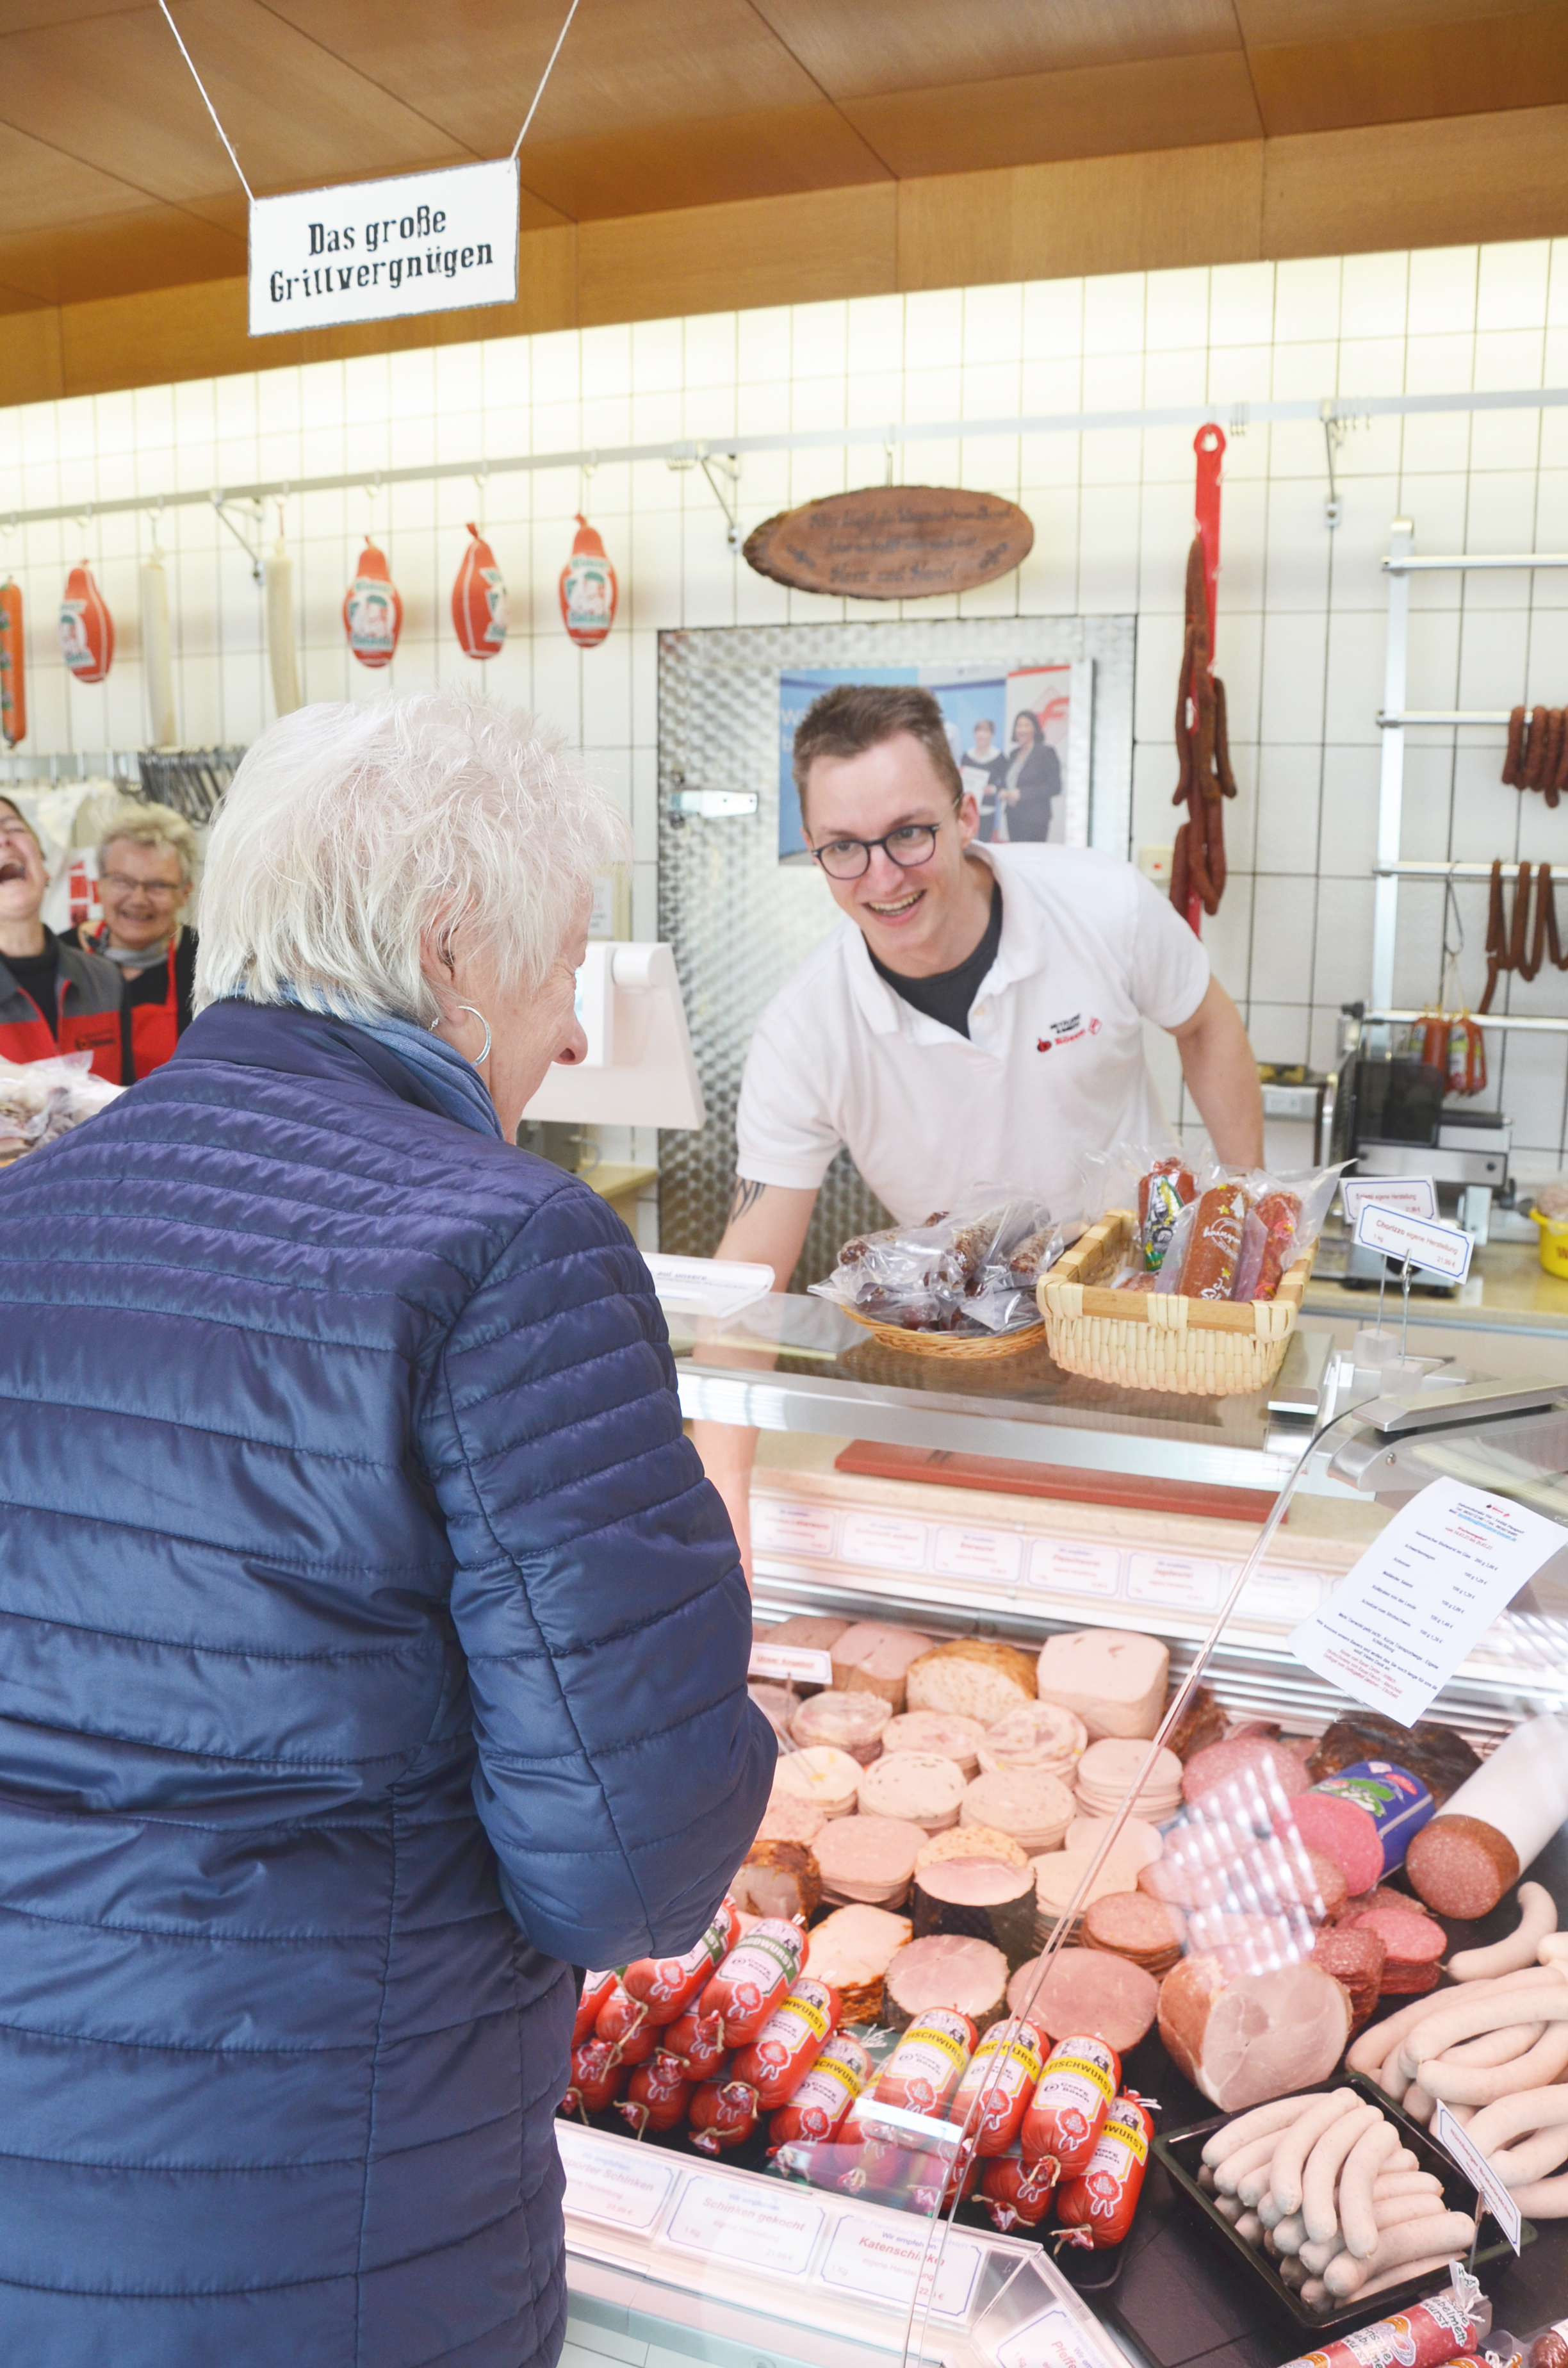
{"points": [[86, 629], [373, 611], [479, 601], [587, 588], [892, 542], [13, 679], [384, 250]]}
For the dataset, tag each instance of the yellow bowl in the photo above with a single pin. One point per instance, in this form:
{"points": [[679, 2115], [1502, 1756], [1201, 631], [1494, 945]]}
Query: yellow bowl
{"points": [[1553, 1243]]}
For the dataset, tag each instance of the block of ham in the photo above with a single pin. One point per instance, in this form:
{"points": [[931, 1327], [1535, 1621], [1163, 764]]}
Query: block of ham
{"points": [[810, 1632], [851, 1950], [1115, 1682], [851, 1723], [1084, 1989], [777, 1879], [979, 1898], [829, 1780], [915, 1786], [1036, 1809], [944, 1732], [973, 1676], [946, 1970], [1041, 1735], [1243, 2038], [873, 1659], [868, 1858], [1058, 1874]]}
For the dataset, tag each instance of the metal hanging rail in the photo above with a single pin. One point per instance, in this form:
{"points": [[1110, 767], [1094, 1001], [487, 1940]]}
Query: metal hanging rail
{"points": [[1438, 871], [691, 453], [1481, 1019], [1441, 715], [1411, 565]]}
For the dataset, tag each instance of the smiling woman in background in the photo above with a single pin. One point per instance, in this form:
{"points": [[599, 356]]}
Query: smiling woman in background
{"points": [[53, 996], [146, 872]]}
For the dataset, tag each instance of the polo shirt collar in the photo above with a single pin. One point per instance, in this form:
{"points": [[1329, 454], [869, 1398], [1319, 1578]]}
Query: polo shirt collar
{"points": [[1020, 954]]}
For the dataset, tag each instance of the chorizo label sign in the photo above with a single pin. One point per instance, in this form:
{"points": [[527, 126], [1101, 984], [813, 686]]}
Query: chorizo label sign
{"points": [[381, 250]]}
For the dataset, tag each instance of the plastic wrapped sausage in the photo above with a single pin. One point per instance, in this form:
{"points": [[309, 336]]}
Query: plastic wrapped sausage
{"points": [[789, 2043], [998, 2085], [1214, 1244], [754, 1978], [622, 2022], [1071, 2103], [1104, 2198], [656, 2095], [1017, 2192], [665, 1987], [722, 2114], [698, 2039], [923, 2072], [598, 2077], [817, 2110], [597, 1991]]}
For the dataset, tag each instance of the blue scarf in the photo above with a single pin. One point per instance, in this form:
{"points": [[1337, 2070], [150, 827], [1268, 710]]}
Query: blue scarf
{"points": [[452, 1082]]}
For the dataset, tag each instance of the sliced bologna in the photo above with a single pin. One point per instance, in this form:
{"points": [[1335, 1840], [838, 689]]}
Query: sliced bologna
{"points": [[1410, 1937], [1219, 1766], [1341, 1831], [1087, 1990]]}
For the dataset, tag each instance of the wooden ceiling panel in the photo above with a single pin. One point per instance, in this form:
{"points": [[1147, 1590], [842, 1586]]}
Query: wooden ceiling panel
{"points": [[1037, 118], [39, 187], [627, 63], [659, 167], [857, 50], [1288, 24], [154, 247], [1411, 74], [26, 16], [125, 99]]}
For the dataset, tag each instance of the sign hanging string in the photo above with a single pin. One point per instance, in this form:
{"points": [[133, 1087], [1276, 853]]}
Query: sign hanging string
{"points": [[206, 102], [228, 144], [550, 69]]}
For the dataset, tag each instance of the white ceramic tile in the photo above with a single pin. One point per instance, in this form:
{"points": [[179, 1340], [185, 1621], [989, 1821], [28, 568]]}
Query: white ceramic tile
{"points": [[1113, 313], [1373, 295], [875, 398], [990, 391], [1176, 309], [1279, 1031], [1371, 366], [1442, 289], [1238, 374], [1309, 369], [1348, 810], [1294, 663], [762, 345], [1341, 961], [1512, 284], [1241, 304], [1048, 580], [1054, 318], [1107, 569], [1306, 299], [993, 324], [710, 350], [1286, 809], [819, 341]]}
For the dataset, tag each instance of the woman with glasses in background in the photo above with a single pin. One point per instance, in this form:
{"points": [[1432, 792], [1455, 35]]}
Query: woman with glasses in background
{"points": [[146, 874], [976, 1018]]}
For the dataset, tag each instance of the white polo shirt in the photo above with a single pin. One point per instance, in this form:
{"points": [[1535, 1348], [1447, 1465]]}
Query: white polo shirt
{"points": [[1053, 1067]]}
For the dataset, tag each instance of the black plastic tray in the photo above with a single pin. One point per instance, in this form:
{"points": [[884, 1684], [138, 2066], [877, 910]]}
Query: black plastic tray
{"points": [[1180, 2151]]}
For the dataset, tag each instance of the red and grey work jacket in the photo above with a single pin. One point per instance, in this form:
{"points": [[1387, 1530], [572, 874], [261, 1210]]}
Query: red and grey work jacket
{"points": [[87, 992], [156, 1011]]}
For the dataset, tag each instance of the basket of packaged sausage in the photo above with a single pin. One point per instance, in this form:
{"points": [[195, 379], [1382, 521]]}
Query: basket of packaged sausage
{"points": [[1195, 1291], [960, 1285]]}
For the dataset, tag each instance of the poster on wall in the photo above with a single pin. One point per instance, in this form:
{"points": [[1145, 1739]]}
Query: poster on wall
{"points": [[1020, 737]]}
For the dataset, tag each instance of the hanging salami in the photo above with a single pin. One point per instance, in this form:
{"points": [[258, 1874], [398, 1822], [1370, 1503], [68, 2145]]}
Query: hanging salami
{"points": [[479, 601], [373, 609], [13, 681], [587, 588], [86, 629]]}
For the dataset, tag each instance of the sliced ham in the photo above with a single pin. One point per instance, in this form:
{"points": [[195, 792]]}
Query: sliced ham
{"points": [[1242, 2040], [874, 1659], [869, 1857], [1089, 1991], [947, 1970]]}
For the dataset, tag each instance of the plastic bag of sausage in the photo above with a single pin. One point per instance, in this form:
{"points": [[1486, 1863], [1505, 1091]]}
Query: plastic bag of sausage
{"points": [[1243, 1231], [968, 1269]]}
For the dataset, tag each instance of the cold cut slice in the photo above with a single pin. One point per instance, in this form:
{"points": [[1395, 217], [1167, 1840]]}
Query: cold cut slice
{"points": [[949, 1971], [851, 1723], [1084, 1989], [869, 1857]]}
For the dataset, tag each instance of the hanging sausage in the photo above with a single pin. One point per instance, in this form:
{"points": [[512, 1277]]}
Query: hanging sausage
{"points": [[279, 570], [157, 653], [587, 588], [13, 680], [479, 601], [1197, 864], [86, 629], [372, 610]]}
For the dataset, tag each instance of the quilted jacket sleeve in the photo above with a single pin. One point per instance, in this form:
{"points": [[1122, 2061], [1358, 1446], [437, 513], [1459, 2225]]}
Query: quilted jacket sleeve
{"points": [[597, 1596]]}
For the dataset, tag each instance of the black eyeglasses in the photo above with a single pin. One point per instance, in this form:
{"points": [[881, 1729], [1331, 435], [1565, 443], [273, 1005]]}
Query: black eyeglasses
{"points": [[850, 859]]}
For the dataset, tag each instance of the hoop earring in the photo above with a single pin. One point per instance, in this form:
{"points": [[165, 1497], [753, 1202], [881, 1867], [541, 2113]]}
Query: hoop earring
{"points": [[483, 1054]]}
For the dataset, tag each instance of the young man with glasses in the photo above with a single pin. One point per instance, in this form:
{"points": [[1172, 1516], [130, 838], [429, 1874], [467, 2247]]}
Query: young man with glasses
{"points": [[977, 1018], [146, 872], [53, 996]]}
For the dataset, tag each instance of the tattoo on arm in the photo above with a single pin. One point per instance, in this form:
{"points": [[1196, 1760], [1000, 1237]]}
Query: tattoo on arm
{"points": [[746, 1195]]}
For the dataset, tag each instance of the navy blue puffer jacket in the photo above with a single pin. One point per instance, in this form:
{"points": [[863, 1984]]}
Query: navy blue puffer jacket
{"points": [[371, 1648]]}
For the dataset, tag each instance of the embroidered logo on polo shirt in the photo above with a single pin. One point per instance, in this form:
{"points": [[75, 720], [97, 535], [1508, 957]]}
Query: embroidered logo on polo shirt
{"points": [[1067, 1031]]}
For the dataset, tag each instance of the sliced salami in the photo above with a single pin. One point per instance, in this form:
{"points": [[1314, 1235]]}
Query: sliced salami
{"points": [[1342, 1830], [1409, 1937], [1355, 1957], [1246, 1761], [1087, 1990], [786, 1819], [1461, 1865], [1130, 1924]]}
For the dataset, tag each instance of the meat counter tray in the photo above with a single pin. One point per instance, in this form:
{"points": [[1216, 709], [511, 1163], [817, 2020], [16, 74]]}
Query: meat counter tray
{"points": [[1180, 2151]]}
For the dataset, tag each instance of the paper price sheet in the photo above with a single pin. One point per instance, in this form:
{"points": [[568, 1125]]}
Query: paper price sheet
{"points": [[1421, 1598]]}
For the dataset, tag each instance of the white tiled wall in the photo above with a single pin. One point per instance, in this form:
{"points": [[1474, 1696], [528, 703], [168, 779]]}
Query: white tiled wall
{"points": [[1300, 623]]}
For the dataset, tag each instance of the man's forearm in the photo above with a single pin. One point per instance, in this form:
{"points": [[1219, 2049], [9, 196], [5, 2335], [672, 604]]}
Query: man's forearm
{"points": [[1222, 1077]]}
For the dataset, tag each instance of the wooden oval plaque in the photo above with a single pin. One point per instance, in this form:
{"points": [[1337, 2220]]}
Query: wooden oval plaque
{"points": [[892, 542]]}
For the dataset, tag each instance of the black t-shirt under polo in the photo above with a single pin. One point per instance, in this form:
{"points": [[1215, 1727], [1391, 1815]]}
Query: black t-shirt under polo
{"points": [[948, 994]]}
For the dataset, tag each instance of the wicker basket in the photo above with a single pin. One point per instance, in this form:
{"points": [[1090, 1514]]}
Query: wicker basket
{"points": [[1149, 1341], [968, 1346]]}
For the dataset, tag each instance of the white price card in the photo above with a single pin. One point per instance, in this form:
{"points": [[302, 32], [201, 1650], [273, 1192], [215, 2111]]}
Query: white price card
{"points": [[883, 1541], [613, 2181], [1480, 2173], [798, 1662], [883, 2262], [1054, 2339], [782, 1528], [1075, 1567], [1409, 1196], [995, 1554], [1400, 1621], [749, 2221], [1436, 1249]]}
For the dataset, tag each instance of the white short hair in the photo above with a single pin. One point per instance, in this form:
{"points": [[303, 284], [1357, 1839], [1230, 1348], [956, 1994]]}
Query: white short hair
{"points": [[348, 833], [151, 825]]}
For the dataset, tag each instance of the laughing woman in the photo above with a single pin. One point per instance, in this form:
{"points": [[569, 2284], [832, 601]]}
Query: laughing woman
{"points": [[371, 1647]]}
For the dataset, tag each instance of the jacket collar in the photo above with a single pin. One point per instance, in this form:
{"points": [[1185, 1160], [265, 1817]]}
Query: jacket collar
{"points": [[303, 1044]]}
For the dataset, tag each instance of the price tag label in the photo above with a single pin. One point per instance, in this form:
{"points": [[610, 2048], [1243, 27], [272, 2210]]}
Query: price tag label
{"points": [[1436, 1249], [610, 2181], [778, 1527], [787, 1661], [994, 1554], [1451, 2137], [883, 2263], [883, 1541], [748, 2221], [1410, 1196], [1054, 2339], [1175, 1579], [1075, 1567]]}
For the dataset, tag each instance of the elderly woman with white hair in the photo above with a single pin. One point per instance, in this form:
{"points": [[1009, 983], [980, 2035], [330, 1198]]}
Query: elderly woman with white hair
{"points": [[147, 859], [372, 1649]]}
